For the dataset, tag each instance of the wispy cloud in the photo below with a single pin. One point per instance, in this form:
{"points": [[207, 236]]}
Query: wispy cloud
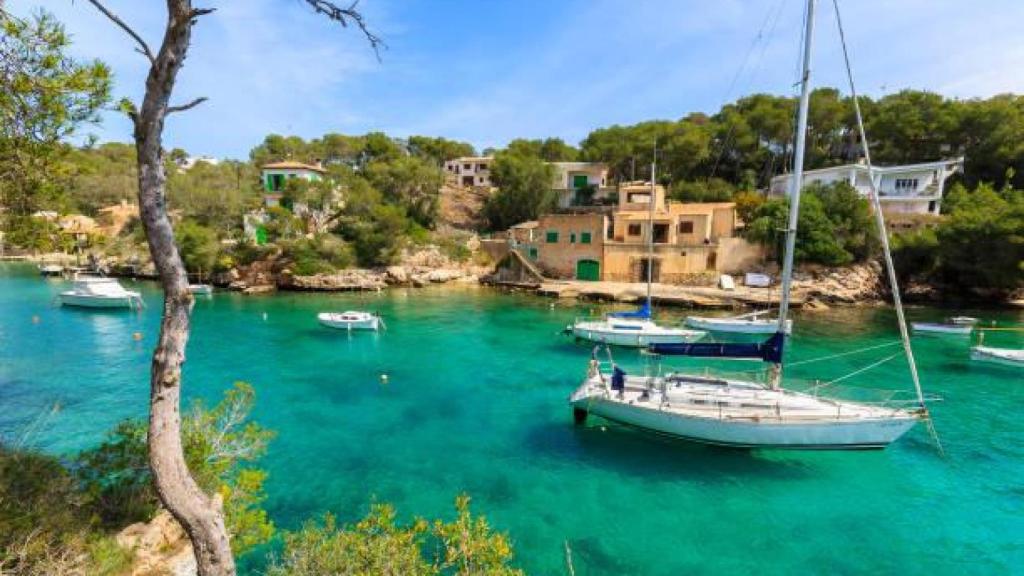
{"points": [[490, 72]]}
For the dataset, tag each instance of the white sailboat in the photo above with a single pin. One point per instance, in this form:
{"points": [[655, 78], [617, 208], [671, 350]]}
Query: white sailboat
{"points": [[746, 412], [751, 323], [100, 292], [635, 328]]}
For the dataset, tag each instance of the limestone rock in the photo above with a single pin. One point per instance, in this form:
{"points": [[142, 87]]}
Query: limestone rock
{"points": [[397, 275], [338, 281], [159, 546]]}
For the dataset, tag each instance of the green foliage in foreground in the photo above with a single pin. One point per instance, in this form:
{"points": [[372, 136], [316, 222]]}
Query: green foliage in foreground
{"points": [[116, 483], [377, 545], [323, 253]]}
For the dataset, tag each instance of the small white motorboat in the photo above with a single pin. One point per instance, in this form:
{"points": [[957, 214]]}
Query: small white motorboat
{"points": [[1004, 356], [50, 269], [963, 320], [200, 289], [350, 320], [100, 292], [751, 323], [942, 329]]}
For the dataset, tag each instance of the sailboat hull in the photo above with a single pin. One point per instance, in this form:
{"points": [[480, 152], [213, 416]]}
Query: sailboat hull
{"points": [[634, 334], [697, 413], [864, 435]]}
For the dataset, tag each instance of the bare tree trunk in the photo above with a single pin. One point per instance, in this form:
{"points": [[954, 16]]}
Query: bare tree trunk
{"points": [[199, 514]]}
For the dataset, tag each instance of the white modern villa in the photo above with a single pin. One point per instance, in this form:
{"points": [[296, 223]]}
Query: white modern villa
{"points": [[573, 177], [906, 189]]}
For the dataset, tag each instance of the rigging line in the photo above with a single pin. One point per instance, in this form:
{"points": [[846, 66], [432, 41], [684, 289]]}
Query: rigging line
{"points": [[862, 370], [757, 66], [884, 237], [879, 217], [841, 354]]}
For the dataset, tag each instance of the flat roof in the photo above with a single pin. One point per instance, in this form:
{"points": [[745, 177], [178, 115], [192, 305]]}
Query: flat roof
{"points": [[881, 169]]}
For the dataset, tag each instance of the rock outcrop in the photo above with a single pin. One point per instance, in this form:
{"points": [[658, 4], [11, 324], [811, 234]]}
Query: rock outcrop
{"points": [[859, 283], [159, 547], [344, 280]]}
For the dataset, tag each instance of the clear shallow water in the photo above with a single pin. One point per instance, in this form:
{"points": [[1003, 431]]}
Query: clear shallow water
{"points": [[476, 402]]}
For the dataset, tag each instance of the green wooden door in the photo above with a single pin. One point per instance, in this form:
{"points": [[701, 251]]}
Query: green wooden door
{"points": [[579, 181], [261, 236], [588, 270]]}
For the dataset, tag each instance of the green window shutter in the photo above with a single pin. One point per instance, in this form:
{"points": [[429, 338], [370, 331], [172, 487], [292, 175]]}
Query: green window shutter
{"points": [[572, 238], [579, 181], [551, 237], [533, 253], [584, 237], [266, 183]]}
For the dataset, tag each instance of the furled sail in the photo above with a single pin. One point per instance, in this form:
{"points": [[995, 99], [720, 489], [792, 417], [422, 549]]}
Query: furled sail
{"points": [[770, 350], [642, 313]]}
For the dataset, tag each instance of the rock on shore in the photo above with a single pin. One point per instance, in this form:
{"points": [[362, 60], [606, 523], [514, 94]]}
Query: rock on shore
{"points": [[860, 283]]}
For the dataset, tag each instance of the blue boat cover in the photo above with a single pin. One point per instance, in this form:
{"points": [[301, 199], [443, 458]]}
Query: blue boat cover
{"points": [[770, 350], [643, 313]]}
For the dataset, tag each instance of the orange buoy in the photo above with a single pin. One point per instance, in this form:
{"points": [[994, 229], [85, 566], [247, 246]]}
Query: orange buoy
{"points": [[136, 336]]}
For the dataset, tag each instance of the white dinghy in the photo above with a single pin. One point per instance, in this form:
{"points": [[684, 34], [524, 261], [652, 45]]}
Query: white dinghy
{"points": [[350, 320], [942, 329], [1003, 356], [744, 412], [100, 292], [752, 323], [200, 289]]}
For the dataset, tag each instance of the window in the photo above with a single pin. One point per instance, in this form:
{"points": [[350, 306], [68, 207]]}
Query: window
{"points": [[634, 229], [639, 198], [686, 227], [481, 167], [467, 166], [551, 237], [584, 237], [906, 184], [481, 179], [572, 237], [533, 253], [579, 181]]}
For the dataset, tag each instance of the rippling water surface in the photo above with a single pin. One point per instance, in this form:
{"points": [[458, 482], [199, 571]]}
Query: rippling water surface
{"points": [[476, 402]]}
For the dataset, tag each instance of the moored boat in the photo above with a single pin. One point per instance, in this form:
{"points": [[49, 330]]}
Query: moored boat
{"points": [[942, 329], [1003, 356], [100, 292], [200, 289], [636, 332], [350, 320], [746, 412], [752, 323], [50, 269]]}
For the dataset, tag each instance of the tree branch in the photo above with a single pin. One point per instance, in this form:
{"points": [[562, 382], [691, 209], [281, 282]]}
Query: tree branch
{"points": [[344, 15], [143, 47], [183, 107]]}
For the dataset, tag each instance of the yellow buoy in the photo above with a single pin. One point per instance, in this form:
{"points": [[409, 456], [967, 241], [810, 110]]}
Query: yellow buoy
{"points": [[383, 378], [136, 336]]}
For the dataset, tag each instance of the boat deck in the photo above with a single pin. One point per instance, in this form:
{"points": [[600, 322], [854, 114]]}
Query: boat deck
{"points": [[733, 400]]}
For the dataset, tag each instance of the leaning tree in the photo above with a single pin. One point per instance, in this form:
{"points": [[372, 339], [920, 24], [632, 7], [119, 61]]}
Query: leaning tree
{"points": [[200, 514]]}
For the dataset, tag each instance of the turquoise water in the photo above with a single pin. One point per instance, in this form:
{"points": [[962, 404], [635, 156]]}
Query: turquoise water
{"points": [[476, 402]]}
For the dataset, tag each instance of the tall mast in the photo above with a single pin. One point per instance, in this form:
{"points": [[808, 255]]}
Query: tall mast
{"points": [[650, 224], [798, 169]]}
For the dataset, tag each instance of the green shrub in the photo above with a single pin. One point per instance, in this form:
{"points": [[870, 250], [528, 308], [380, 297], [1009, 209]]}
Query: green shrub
{"points": [[377, 545], [324, 253]]}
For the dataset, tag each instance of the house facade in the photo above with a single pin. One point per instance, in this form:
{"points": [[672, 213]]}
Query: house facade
{"points": [[275, 175], [469, 171], [580, 183], [905, 189], [688, 240]]}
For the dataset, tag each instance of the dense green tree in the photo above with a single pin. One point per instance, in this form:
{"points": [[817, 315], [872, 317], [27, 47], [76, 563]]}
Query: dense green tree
{"points": [[47, 96], [524, 190], [439, 150], [198, 246], [710, 190], [981, 243], [410, 182]]}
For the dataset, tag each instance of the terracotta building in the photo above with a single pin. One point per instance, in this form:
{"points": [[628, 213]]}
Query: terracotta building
{"points": [[689, 239]]}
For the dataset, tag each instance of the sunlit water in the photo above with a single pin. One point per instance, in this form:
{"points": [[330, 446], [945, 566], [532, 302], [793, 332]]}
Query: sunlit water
{"points": [[476, 402]]}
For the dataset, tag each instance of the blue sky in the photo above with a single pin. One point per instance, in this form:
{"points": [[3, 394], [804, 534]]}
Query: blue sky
{"points": [[491, 70]]}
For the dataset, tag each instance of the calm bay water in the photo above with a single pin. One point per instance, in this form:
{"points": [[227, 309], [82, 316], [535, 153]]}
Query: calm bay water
{"points": [[476, 402]]}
